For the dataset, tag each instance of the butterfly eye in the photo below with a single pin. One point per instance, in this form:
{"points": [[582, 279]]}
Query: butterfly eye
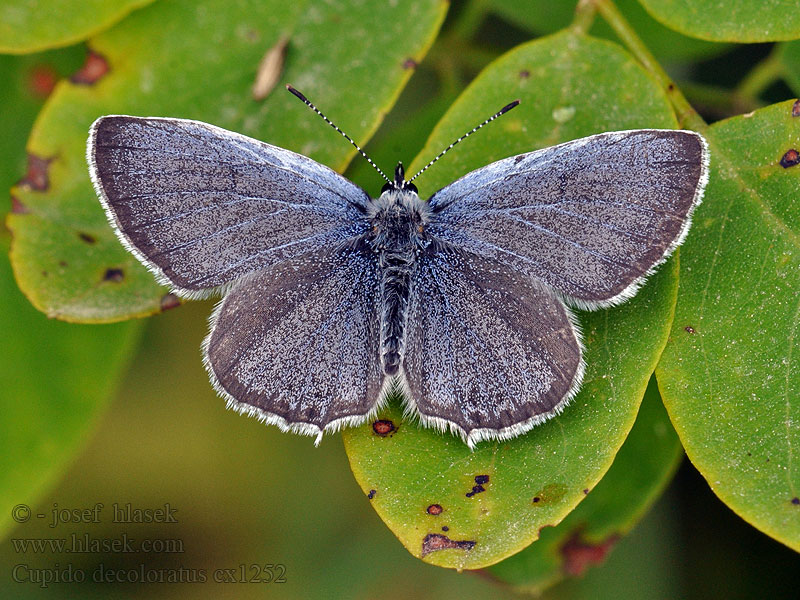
{"points": [[410, 187], [386, 187]]}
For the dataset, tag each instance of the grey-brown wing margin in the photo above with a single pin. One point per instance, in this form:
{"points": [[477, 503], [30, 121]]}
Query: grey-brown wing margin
{"points": [[296, 345], [201, 206], [591, 218], [489, 353]]}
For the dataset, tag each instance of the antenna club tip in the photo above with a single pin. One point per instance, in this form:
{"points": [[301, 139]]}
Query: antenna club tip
{"points": [[296, 93], [509, 106]]}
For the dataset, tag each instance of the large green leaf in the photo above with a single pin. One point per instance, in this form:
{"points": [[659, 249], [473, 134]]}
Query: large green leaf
{"points": [[729, 21], [198, 60], [641, 470], [546, 16], [570, 87], [730, 374], [56, 378], [32, 25]]}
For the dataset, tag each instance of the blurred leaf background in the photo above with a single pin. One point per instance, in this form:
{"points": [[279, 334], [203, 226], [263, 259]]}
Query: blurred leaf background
{"points": [[124, 413]]}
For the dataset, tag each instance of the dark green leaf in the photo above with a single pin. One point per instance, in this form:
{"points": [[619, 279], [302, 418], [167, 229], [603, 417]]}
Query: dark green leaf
{"points": [[546, 16], [57, 378], [729, 21]]}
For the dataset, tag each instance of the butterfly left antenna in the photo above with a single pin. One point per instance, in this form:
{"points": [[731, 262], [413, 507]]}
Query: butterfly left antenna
{"points": [[329, 122]]}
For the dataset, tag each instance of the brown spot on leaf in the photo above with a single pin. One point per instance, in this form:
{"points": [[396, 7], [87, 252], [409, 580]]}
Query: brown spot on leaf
{"points": [[478, 487], [671, 87], [445, 528], [62, 263], [85, 237], [36, 175], [95, 67], [790, 159], [115, 275], [169, 301], [383, 427], [41, 80], [524, 74], [689, 329], [17, 207], [434, 509], [371, 494], [585, 490], [579, 555], [409, 63], [550, 493], [796, 501], [45, 273], [434, 542], [796, 108]]}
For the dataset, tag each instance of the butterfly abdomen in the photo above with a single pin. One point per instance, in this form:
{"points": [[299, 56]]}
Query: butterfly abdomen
{"points": [[398, 220]]}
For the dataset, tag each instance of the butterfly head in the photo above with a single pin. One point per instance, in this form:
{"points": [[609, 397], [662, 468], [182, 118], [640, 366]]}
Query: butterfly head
{"points": [[399, 183]]}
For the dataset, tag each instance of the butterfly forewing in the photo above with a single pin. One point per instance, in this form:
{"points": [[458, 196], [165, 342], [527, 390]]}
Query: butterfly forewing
{"points": [[202, 206], [489, 353], [589, 217], [297, 343]]}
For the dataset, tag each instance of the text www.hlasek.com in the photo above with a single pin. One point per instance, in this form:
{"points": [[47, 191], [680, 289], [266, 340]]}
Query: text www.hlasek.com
{"points": [[86, 544]]}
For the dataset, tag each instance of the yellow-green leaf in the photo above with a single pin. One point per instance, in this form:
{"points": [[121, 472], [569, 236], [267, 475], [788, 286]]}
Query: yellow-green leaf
{"points": [[198, 60], [33, 25], [570, 86]]}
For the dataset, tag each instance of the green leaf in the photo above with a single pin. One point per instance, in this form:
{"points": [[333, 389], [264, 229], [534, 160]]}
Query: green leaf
{"points": [[546, 16], [33, 25], [729, 21], [729, 375], [57, 379], [789, 57], [641, 470], [198, 60], [570, 87]]}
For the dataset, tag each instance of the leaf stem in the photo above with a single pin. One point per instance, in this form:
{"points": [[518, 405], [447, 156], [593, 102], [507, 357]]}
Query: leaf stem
{"points": [[585, 12], [687, 115]]}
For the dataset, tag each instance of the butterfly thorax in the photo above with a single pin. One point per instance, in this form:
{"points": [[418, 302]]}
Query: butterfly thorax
{"points": [[398, 219]]}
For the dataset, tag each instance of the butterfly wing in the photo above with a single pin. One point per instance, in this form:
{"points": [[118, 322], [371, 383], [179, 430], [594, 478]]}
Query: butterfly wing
{"points": [[591, 217], [489, 352], [296, 344], [201, 206]]}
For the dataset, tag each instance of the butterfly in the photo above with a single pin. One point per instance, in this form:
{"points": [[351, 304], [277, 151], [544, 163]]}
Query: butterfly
{"points": [[333, 300]]}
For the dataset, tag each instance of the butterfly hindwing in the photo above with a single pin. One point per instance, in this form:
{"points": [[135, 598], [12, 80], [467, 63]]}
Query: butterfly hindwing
{"points": [[488, 352], [296, 344], [202, 206]]}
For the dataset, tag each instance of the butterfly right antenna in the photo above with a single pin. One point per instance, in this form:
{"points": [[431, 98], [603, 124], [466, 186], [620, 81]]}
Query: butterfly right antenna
{"points": [[502, 111], [329, 122]]}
